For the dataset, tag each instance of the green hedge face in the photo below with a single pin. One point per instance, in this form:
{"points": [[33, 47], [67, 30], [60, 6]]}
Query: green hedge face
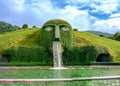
{"points": [[27, 54], [56, 30], [80, 54]]}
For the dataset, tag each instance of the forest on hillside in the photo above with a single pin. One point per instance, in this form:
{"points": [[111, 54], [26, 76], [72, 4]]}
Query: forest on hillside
{"points": [[6, 27]]}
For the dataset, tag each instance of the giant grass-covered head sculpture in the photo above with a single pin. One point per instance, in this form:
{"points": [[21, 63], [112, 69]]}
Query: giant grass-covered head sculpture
{"points": [[56, 30]]}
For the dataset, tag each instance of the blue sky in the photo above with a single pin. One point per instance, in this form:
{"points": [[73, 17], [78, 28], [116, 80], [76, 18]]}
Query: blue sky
{"points": [[98, 15]]}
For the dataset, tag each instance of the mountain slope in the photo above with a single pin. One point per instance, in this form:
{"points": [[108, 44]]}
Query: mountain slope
{"points": [[6, 27], [31, 37], [101, 33]]}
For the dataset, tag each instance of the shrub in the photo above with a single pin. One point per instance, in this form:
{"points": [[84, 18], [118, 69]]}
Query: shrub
{"points": [[105, 63], [24, 64], [25, 26], [80, 54], [101, 35], [29, 54], [117, 36], [102, 49], [75, 29]]}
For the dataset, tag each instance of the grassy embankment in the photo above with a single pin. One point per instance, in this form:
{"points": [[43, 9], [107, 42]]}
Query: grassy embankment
{"points": [[25, 37], [88, 38]]}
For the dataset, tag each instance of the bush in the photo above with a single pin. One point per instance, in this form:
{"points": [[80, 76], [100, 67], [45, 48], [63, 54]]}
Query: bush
{"points": [[25, 26], [105, 63], [80, 54], [102, 49], [29, 54], [93, 64], [101, 35], [75, 29], [117, 36], [24, 64]]}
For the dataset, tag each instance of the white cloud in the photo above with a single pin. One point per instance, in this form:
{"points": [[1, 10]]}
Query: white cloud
{"points": [[18, 5], [81, 22], [106, 6], [75, 2], [77, 18], [111, 25], [42, 6], [70, 12], [115, 15]]}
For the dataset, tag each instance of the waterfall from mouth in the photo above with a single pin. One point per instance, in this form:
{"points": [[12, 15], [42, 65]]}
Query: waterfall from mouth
{"points": [[57, 55]]}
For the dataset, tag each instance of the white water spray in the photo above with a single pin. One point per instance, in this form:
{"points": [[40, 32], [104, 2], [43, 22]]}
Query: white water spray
{"points": [[57, 54]]}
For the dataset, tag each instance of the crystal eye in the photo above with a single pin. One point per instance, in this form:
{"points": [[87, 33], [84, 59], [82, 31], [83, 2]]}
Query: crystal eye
{"points": [[48, 28], [65, 28]]}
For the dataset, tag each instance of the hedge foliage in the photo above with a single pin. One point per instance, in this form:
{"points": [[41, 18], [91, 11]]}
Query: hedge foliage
{"points": [[28, 54], [117, 36], [80, 54], [102, 49], [39, 55], [47, 37], [24, 64], [93, 64]]}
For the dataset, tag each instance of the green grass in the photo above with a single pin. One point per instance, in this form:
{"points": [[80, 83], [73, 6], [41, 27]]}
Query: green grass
{"points": [[27, 37], [86, 38]]}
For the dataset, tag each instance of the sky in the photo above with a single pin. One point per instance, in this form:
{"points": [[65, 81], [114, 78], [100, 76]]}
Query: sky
{"points": [[97, 15]]}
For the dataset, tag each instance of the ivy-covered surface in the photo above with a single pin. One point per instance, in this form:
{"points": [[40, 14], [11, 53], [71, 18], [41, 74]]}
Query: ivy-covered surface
{"points": [[27, 54], [47, 37], [80, 54], [70, 56]]}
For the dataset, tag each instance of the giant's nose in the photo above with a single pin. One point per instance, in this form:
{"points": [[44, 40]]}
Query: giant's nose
{"points": [[57, 33]]}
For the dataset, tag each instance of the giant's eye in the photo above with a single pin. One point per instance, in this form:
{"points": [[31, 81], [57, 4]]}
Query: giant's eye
{"points": [[48, 28], [64, 28]]}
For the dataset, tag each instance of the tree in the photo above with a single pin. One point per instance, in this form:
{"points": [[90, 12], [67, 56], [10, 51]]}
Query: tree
{"points": [[110, 37], [6, 27], [75, 29], [25, 26], [117, 36], [16, 27], [34, 27], [80, 54], [101, 35]]}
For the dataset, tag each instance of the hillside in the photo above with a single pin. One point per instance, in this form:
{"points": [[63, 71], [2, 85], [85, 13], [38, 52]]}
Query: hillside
{"points": [[28, 37], [100, 33], [112, 45], [31, 37], [6, 27]]}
